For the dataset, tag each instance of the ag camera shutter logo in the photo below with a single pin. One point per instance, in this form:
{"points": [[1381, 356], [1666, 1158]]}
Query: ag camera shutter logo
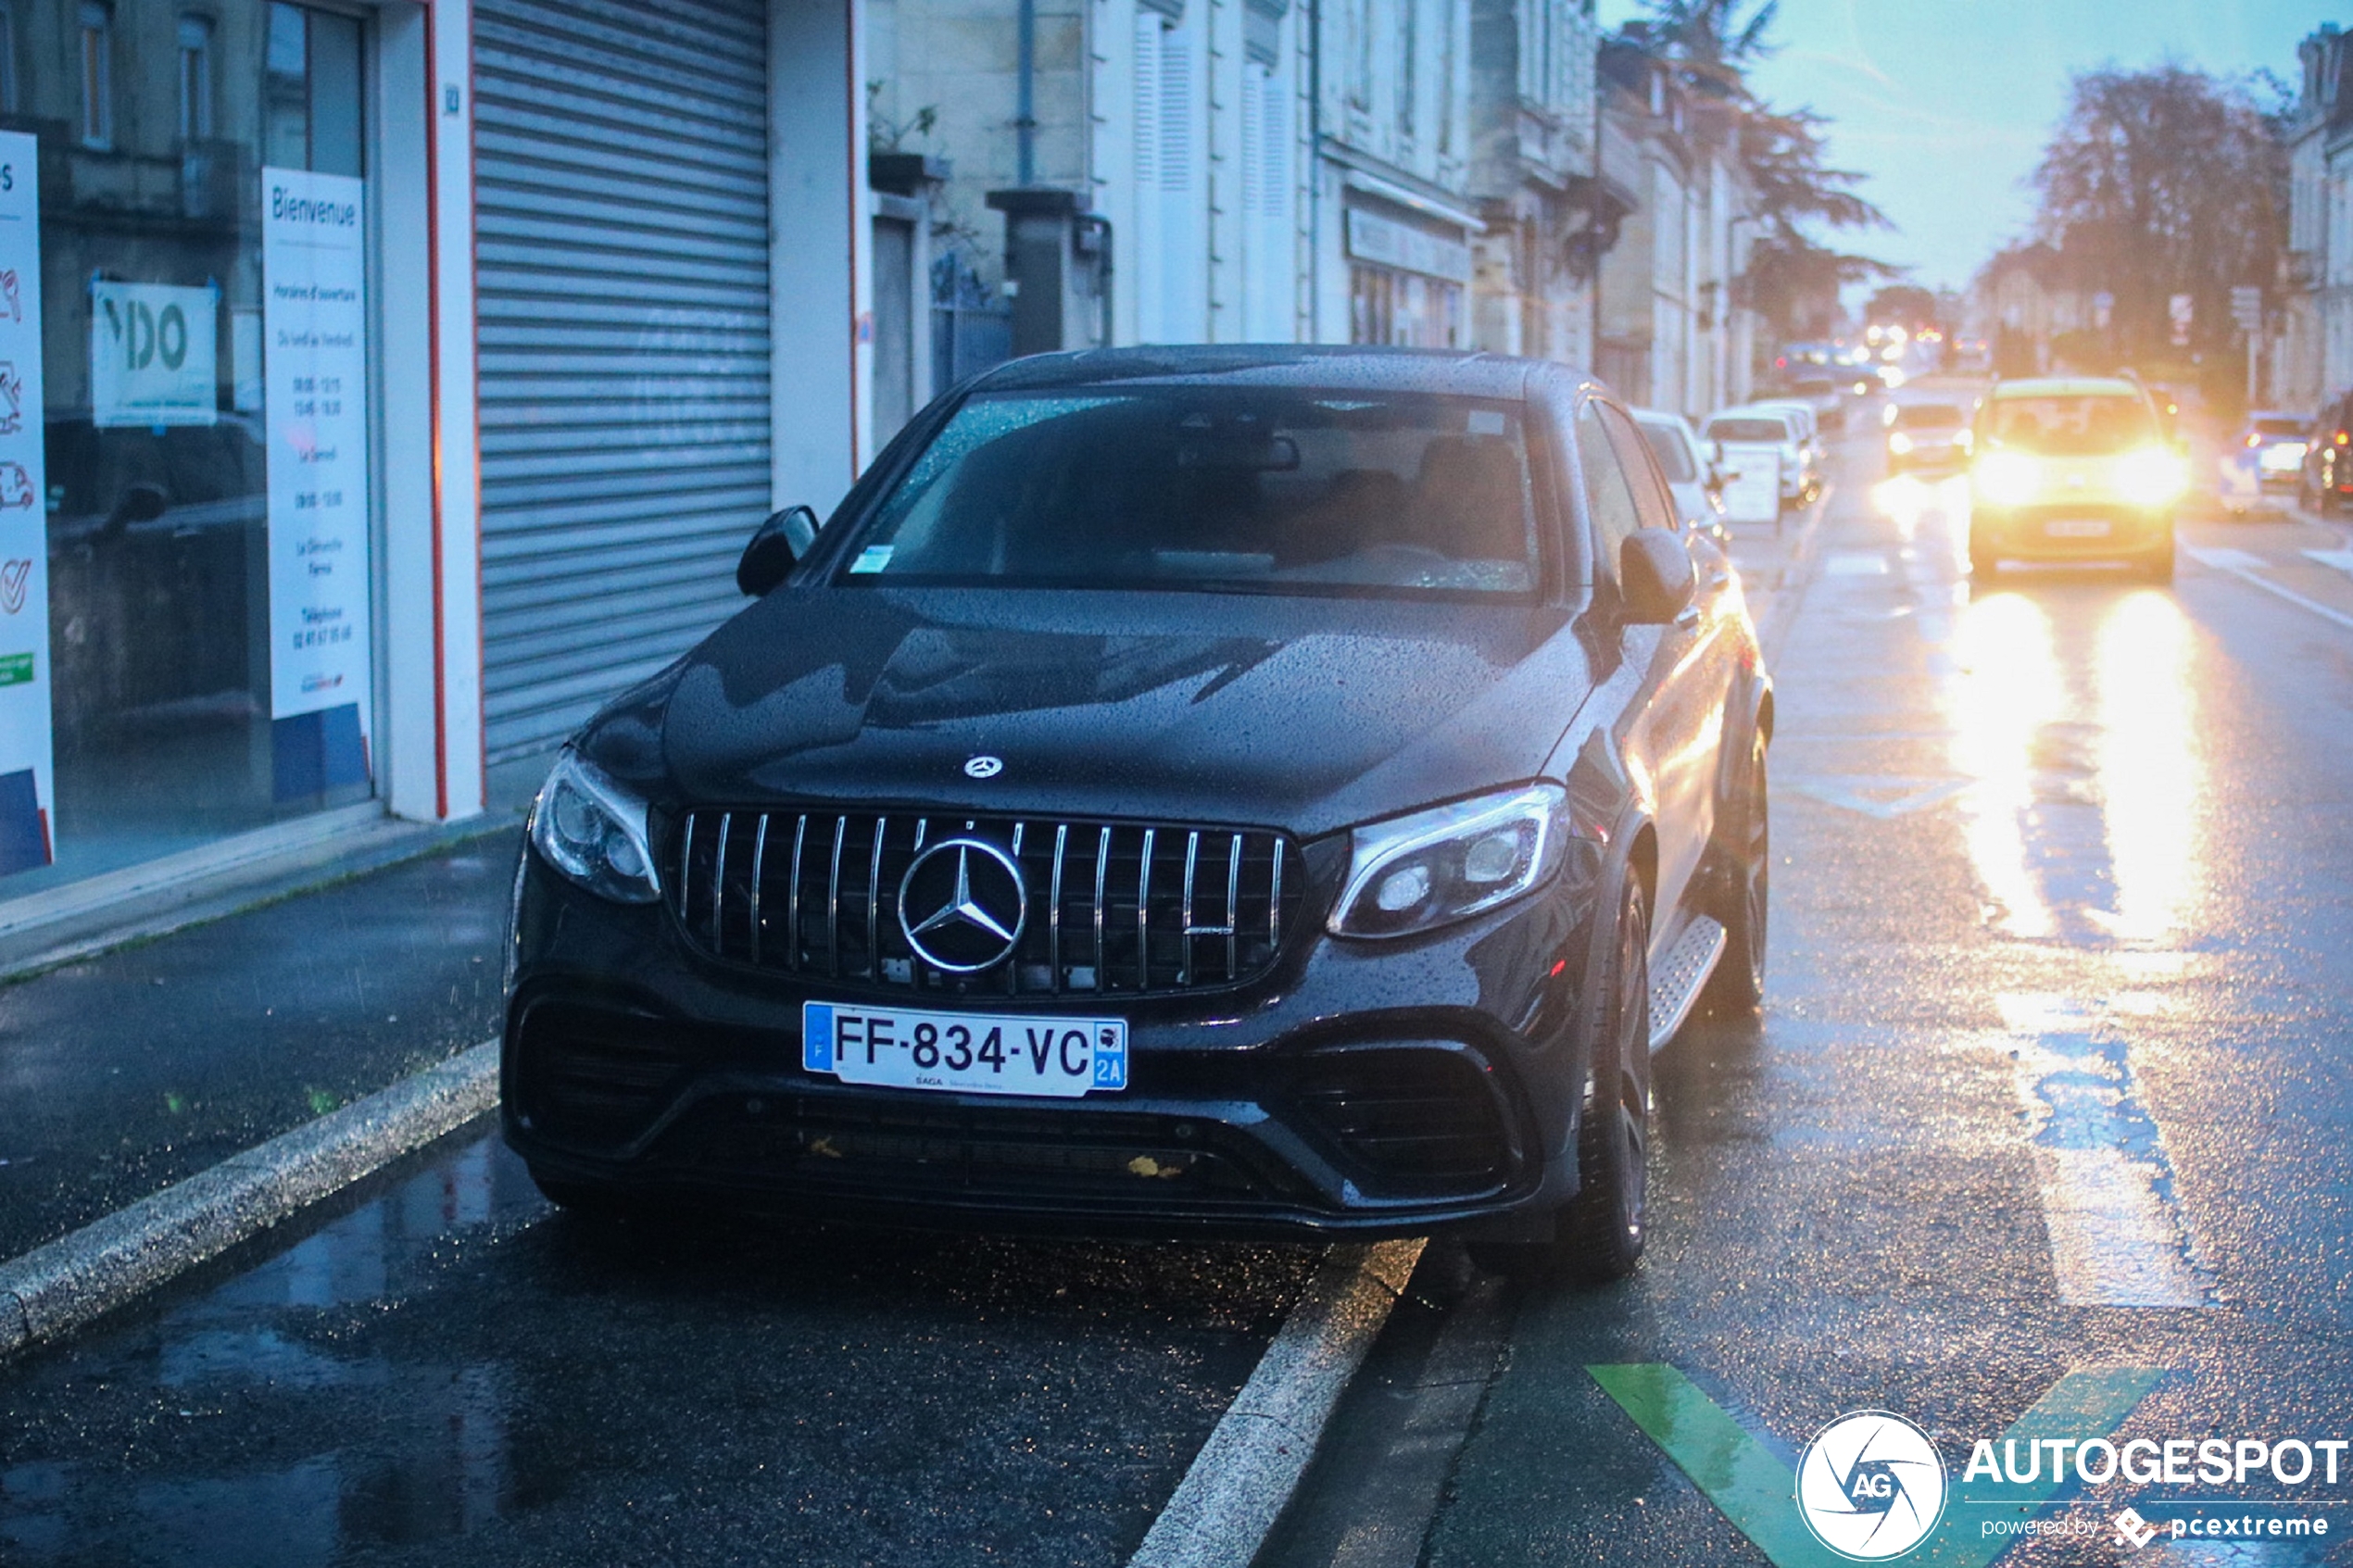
{"points": [[1870, 1485]]}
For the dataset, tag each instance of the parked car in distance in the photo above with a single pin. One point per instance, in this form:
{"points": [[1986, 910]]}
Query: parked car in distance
{"points": [[1812, 449], [2328, 458], [2265, 459], [1690, 470], [1197, 792], [1926, 437], [1778, 428], [2073, 469]]}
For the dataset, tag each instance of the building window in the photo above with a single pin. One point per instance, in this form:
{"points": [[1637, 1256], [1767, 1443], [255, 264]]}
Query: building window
{"points": [[1408, 64], [195, 78], [1446, 81], [95, 59], [1360, 54]]}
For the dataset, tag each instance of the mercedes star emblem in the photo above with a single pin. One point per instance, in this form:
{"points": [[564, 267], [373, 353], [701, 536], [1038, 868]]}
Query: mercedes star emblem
{"points": [[984, 767], [962, 905]]}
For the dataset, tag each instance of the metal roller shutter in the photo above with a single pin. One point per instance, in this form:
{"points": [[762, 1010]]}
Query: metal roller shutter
{"points": [[622, 260]]}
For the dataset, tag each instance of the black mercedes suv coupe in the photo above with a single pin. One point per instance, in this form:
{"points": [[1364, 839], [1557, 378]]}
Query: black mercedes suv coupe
{"points": [[1195, 792]]}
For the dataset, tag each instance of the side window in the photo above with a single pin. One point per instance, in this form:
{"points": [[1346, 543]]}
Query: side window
{"points": [[1607, 496], [1654, 502]]}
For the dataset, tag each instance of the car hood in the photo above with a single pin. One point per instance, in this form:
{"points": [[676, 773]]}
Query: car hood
{"points": [[1307, 714]]}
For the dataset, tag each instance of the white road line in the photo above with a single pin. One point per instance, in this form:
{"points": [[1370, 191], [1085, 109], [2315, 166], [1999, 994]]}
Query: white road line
{"points": [[2117, 1236], [1856, 563], [2341, 559], [2241, 565]]}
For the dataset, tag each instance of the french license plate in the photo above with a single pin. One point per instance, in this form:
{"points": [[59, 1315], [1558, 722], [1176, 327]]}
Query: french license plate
{"points": [[2077, 528], [964, 1052]]}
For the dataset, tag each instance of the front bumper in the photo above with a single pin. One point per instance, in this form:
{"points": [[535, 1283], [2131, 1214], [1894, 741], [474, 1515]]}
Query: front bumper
{"points": [[2052, 532], [1368, 1088]]}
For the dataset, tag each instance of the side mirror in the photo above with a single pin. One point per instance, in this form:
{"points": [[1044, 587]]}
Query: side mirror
{"points": [[1655, 572], [776, 546]]}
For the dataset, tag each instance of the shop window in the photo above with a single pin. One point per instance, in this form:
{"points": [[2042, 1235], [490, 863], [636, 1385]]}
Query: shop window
{"points": [[195, 78], [190, 656], [96, 48]]}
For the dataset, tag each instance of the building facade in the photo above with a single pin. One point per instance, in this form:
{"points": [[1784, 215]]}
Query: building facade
{"points": [[2312, 353], [383, 385], [1673, 329], [1536, 174]]}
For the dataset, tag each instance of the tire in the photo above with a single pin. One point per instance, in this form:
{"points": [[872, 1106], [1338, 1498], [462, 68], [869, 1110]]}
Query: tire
{"points": [[1598, 1235], [2158, 565], [1738, 985]]}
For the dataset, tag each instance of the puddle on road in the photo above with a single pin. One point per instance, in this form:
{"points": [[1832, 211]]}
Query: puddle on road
{"points": [[211, 1359]]}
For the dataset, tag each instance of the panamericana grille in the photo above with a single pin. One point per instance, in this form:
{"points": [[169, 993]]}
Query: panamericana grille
{"points": [[1114, 907]]}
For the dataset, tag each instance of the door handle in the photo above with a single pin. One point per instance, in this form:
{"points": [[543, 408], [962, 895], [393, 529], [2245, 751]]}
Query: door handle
{"points": [[1689, 618]]}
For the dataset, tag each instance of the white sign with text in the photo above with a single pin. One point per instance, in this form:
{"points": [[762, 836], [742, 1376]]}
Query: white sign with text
{"points": [[25, 778], [315, 375], [152, 355]]}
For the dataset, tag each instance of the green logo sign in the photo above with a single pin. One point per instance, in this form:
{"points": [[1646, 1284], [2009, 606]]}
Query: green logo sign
{"points": [[15, 668]]}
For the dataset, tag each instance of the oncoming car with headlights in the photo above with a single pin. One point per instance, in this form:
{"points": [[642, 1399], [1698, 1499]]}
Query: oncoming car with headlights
{"points": [[1234, 792], [2073, 469]]}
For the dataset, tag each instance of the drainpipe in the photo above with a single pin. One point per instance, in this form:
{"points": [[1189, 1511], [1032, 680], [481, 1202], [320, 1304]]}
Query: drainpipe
{"points": [[1026, 104]]}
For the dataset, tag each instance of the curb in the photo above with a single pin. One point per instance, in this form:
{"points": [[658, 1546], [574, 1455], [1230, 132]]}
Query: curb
{"points": [[59, 1286], [1244, 1476]]}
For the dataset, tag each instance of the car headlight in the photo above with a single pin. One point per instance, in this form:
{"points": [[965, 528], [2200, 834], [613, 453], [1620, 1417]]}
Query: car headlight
{"points": [[1899, 443], [2151, 477], [593, 831], [1414, 872], [2007, 479]]}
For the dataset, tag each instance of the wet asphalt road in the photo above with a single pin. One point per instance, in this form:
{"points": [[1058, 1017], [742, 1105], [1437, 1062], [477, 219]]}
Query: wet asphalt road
{"points": [[126, 1072], [2050, 1078]]}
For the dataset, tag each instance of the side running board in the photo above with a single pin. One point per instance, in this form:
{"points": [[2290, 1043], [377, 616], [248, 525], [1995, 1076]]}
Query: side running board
{"points": [[1677, 981]]}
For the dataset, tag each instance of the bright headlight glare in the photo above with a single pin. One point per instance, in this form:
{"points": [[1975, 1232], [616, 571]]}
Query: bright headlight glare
{"points": [[2151, 477], [593, 831], [2007, 479], [1412, 873], [1899, 443]]}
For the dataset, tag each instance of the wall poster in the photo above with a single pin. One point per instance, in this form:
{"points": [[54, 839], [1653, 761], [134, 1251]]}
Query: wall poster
{"points": [[25, 777], [315, 391]]}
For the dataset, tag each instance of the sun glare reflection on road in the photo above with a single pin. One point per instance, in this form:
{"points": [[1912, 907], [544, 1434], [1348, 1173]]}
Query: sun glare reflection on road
{"points": [[2152, 778], [2008, 687]]}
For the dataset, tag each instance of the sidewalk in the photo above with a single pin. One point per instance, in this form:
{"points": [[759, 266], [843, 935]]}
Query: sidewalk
{"points": [[126, 1072]]}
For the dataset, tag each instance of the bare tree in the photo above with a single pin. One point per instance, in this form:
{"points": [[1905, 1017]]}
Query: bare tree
{"points": [[2161, 182]]}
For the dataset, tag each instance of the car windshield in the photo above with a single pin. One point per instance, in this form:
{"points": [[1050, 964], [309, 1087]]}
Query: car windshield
{"points": [[2289, 428], [1928, 416], [1367, 493], [2073, 426], [1667, 446], [1747, 429]]}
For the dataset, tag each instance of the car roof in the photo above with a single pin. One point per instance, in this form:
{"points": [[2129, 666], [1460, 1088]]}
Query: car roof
{"points": [[1752, 411], [1461, 373], [2067, 386], [1663, 416]]}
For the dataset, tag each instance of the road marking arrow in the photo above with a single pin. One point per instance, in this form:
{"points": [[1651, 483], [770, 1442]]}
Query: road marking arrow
{"points": [[1883, 795], [1753, 1489]]}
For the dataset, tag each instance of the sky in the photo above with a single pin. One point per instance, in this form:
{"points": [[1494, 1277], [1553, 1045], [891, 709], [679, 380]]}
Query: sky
{"points": [[1946, 104]]}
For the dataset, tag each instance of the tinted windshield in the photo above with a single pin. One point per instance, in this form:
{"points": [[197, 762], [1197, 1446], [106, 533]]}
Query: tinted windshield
{"points": [[1747, 430], [1928, 416], [2072, 426], [1290, 491], [1674, 456], [2279, 427]]}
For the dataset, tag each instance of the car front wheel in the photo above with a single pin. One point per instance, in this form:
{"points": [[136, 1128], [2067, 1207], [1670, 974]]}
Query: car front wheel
{"points": [[1599, 1234], [1738, 985]]}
